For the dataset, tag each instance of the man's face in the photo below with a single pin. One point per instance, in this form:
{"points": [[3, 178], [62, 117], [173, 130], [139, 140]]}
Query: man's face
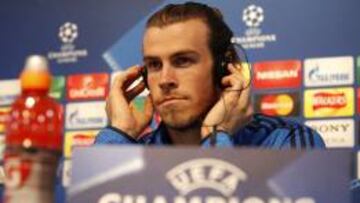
{"points": [[179, 65]]}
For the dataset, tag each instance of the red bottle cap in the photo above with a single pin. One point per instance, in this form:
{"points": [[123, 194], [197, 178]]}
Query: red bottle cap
{"points": [[36, 75]]}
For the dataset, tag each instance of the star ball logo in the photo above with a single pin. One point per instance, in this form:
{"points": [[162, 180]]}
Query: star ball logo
{"points": [[206, 174], [68, 33], [253, 16]]}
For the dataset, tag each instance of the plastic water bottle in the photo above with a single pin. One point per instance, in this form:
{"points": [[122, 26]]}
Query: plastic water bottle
{"points": [[34, 131]]}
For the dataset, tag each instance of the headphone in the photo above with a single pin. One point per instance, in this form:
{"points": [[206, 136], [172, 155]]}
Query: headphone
{"points": [[231, 55], [235, 54], [221, 66]]}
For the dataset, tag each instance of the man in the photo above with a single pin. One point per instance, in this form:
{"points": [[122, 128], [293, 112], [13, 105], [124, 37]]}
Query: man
{"points": [[197, 88]]}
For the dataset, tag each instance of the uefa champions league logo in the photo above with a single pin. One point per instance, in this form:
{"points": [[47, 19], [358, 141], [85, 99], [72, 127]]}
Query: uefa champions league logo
{"points": [[195, 180], [68, 32], [206, 173], [253, 16], [68, 53]]}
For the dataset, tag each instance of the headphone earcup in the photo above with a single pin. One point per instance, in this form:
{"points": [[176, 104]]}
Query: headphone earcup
{"points": [[220, 72], [144, 76]]}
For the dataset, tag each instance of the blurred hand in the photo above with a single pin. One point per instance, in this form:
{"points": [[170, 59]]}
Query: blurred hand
{"points": [[233, 110], [121, 111]]}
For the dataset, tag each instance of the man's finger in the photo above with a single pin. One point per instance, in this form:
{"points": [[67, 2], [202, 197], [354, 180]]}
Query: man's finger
{"points": [[242, 71], [132, 93], [232, 82], [234, 69], [149, 108], [143, 118], [124, 79], [132, 79], [244, 100]]}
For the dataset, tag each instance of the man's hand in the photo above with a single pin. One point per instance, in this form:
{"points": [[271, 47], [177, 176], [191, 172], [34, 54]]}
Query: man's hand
{"points": [[121, 111], [233, 110]]}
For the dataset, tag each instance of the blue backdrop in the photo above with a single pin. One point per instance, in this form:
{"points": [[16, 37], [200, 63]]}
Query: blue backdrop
{"points": [[90, 36]]}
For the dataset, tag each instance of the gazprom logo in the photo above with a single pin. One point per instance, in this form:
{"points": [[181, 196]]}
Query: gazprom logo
{"points": [[329, 71], [85, 115], [206, 173], [316, 75]]}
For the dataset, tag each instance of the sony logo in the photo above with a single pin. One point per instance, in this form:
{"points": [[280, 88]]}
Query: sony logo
{"points": [[325, 128]]}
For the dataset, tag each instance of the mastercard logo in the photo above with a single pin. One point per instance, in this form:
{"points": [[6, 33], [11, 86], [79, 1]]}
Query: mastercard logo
{"points": [[281, 105]]}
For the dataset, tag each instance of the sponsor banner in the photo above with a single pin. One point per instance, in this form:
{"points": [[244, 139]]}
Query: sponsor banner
{"points": [[208, 176], [281, 104], [358, 165], [78, 139], [277, 74], [3, 116], [85, 115], [2, 175], [329, 71], [66, 173], [2, 147], [2, 150], [9, 90], [87, 86], [329, 102], [57, 87], [358, 100], [336, 133], [358, 70]]}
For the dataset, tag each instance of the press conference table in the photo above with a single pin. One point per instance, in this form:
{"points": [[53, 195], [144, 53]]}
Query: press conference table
{"points": [[117, 174]]}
